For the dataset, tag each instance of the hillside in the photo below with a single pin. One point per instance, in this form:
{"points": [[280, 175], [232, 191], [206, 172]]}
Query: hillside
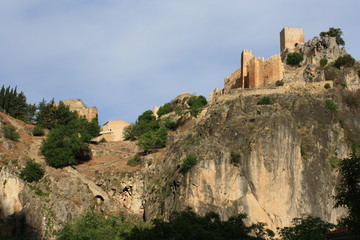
{"points": [[271, 152]]}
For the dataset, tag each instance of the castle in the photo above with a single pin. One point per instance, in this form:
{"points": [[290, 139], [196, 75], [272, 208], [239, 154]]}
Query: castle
{"points": [[258, 72]]}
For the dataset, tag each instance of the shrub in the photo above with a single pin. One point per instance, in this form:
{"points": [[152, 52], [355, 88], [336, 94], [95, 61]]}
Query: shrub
{"points": [[306, 228], [336, 33], [344, 61], [66, 144], [189, 162], [10, 133], [264, 101], [327, 86], [136, 160], [146, 122], [294, 58], [331, 105], [235, 158], [189, 225], [323, 62], [166, 108], [169, 124], [32, 172], [279, 83], [358, 73], [38, 131], [153, 139], [98, 226], [196, 104]]}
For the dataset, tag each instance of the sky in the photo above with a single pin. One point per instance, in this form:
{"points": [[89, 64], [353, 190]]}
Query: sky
{"points": [[124, 57]]}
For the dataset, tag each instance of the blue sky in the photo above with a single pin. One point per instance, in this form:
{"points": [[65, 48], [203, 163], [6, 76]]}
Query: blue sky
{"points": [[126, 56]]}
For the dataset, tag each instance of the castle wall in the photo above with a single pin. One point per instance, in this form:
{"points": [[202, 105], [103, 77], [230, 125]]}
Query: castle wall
{"points": [[273, 69], [246, 56], [289, 37]]}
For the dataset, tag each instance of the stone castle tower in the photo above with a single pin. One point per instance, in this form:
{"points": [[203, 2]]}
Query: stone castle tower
{"points": [[290, 38], [256, 71]]}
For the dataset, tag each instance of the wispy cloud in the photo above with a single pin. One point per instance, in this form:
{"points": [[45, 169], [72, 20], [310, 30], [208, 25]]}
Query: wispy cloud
{"points": [[125, 56]]}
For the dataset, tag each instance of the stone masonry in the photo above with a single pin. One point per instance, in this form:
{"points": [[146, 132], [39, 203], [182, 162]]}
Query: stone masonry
{"points": [[257, 72]]}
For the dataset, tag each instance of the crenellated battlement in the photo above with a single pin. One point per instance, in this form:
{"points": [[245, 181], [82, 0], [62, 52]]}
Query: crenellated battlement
{"points": [[256, 72]]}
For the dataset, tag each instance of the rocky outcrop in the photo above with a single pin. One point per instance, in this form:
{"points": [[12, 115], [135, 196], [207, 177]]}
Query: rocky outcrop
{"points": [[81, 108], [273, 162], [321, 48]]}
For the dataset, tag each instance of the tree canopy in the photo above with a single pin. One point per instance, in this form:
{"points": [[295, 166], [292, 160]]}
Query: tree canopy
{"points": [[348, 194], [14, 104], [336, 33], [306, 228]]}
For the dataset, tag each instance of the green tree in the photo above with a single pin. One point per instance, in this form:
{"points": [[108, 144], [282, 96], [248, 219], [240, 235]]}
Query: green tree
{"points": [[153, 139], [348, 192], [294, 58], [306, 228], [344, 61], [336, 33], [189, 225], [98, 226], [38, 130], [196, 104], [13, 103], [32, 172], [66, 144], [146, 122], [166, 108]]}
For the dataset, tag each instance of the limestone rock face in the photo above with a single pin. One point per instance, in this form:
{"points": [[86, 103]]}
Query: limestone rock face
{"points": [[273, 162], [10, 187], [321, 48]]}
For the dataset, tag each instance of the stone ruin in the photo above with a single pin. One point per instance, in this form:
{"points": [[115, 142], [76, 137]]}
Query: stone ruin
{"points": [[257, 72], [80, 107]]}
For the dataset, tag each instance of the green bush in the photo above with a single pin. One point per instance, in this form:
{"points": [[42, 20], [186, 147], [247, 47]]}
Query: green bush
{"points": [[327, 86], [264, 101], [98, 226], [169, 124], [146, 122], [344, 61], [196, 104], [235, 158], [166, 108], [153, 139], [306, 228], [67, 144], [32, 172], [331, 105], [358, 73], [38, 131], [136, 160], [294, 58], [189, 225], [279, 83], [336, 33], [189, 162], [10, 133], [323, 62]]}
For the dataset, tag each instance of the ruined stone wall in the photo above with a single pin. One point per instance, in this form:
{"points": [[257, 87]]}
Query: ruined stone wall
{"points": [[290, 37], [234, 81], [81, 108]]}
